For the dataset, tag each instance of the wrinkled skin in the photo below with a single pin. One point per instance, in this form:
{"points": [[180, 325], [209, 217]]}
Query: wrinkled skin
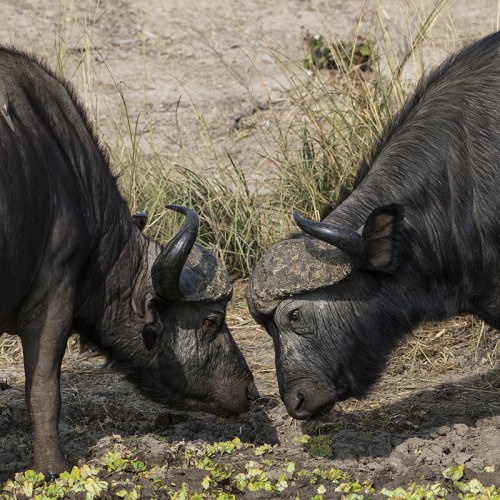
{"points": [[200, 338], [326, 350], [418, 234], [178, 352], [72, 259], [186, 358]]}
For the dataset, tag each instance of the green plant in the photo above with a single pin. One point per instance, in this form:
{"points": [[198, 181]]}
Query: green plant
{"points": [[115, 462], [340, 55], [83, 481], [318, 446]]}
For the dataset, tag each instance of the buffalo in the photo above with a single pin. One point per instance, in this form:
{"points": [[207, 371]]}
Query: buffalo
{"points": [[72, 259], [416, 240]]}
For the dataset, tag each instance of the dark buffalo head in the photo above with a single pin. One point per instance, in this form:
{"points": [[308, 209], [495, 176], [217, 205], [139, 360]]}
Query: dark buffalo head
{"points": [[192, 361], [323, 299]]}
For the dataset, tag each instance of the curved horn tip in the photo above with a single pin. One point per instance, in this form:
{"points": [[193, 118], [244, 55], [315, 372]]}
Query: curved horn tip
{"points": [[297, 217], [341, 237], [301, 221], [178, 208], [189, 213]]}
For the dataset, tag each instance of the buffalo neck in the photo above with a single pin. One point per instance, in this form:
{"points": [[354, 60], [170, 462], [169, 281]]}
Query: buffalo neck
{"points": [[438, 159], [435, 271], [113, 288]]}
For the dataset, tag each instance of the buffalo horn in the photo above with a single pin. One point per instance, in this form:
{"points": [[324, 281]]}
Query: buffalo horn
{"points": [[167, 269], [350, 242]]}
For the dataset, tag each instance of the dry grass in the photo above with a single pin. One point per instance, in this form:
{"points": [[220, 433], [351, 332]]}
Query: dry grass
{"points": [[10, 350], [434, 354]]}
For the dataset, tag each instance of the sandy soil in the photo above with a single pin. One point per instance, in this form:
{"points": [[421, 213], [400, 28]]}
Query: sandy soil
{"points": [[178, 60], [439, 402]]}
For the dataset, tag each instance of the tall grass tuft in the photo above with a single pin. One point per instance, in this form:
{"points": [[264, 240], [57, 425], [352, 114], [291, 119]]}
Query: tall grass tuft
{"points": [[230, 215], [342, 113]]}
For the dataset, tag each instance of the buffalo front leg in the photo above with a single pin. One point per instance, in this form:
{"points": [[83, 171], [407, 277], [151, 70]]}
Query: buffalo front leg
{"points": [[45, 325]]}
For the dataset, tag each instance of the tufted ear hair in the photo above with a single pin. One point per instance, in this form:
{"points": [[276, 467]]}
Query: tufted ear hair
{"points": [[140, 219], [149, 337], [383, 232]]}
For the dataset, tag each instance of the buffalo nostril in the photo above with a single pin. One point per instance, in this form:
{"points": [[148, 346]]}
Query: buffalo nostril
{"points": [[300, 401], [252, 392]]}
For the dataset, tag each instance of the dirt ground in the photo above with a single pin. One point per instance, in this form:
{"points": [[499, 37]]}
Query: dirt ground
{"points": [[437, 405], [174, 62]]}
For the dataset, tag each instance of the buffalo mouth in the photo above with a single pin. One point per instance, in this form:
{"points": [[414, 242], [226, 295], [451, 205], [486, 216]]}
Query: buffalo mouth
{"points": [[306, 402], [221, 406], [315, 398], [314, 413]]}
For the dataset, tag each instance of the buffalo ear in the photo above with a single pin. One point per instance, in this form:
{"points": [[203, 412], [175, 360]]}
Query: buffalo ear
{"points": [[140, 219], [153, 328], [149, 336], [382, 232]]}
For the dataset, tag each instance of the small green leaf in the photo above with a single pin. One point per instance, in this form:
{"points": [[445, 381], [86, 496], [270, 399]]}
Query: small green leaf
{"points": [[206, 483], [454, 473], [265, 448], [475, 486], [364, 50], [138, 465], [396, 493]]}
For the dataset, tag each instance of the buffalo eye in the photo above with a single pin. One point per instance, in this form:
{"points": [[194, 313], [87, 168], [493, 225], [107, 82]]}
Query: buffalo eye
{"points": [[294, 316], [299, 323], [210, 324]]}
